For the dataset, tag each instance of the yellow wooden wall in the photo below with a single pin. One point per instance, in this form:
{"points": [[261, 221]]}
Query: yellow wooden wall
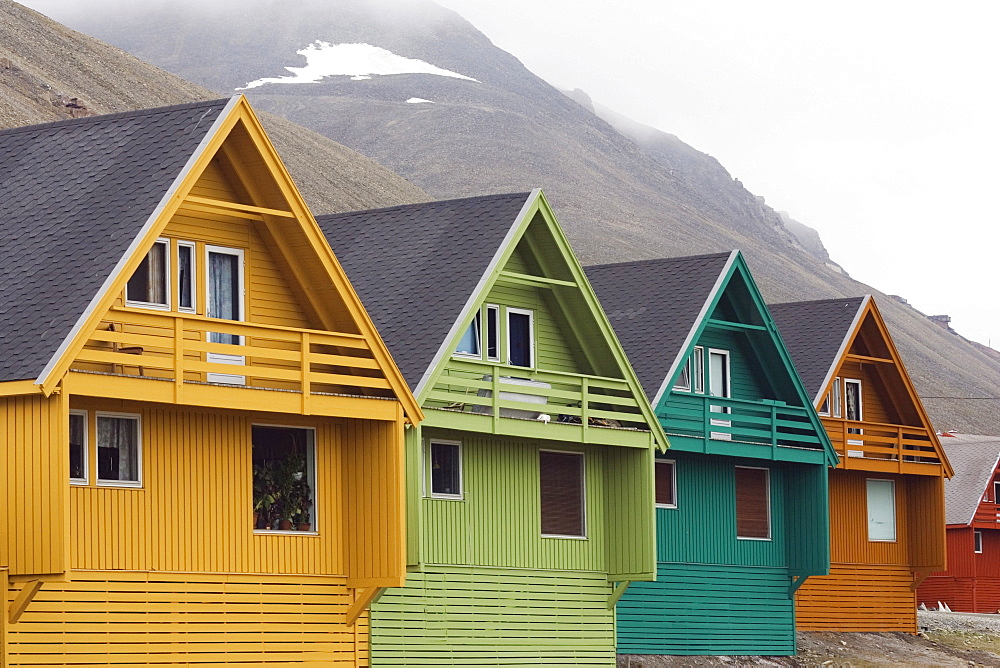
{"points": [[374, 503], [34, 468], [873, 407], [194, 511], [136, 619]]}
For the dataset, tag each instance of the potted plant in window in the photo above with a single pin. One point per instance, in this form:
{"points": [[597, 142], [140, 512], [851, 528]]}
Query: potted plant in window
{"points": [[263, 496], [291, 491]]}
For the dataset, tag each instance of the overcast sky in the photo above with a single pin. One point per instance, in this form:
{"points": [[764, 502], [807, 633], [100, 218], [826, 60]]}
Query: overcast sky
{"points": [[873, 122]]}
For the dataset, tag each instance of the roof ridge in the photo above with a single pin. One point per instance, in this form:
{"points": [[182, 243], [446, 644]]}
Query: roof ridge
{"points": [[817, 301], [725, 254], [413, 205], [135, 113]]}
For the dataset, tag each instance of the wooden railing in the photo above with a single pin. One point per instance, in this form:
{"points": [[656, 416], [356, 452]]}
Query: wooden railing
{"points": [[854, 439], [765, 422], [550, 396], [179, 348]]}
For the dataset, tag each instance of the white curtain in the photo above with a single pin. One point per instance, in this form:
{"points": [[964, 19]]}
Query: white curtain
{"points": [[118, 447], [157, 285], [223, 291]]}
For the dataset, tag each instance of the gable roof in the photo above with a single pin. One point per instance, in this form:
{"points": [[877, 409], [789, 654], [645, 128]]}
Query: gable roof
{"points": [[655, 324], [415, 267], [74, 196], [974, 459], [816, 334]]}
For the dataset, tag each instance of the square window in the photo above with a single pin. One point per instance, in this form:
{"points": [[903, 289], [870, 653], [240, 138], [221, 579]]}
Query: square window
{"points": [[444, 461], [148, 284], [881, 510], [561, 479], [753, 501], [666, 484], [284, 478], [119, 460], [78, 447]]}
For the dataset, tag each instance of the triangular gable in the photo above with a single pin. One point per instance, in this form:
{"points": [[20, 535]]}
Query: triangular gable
{"points": [[536, 239], [237, 141], [868, 341], [976, 460]]}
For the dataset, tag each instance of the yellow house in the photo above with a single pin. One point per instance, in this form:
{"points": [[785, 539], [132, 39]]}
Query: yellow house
{"points": [[201, 433]]}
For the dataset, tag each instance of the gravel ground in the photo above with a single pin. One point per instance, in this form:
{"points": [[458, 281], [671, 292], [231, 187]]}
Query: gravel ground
{"points": [[958, 621]]}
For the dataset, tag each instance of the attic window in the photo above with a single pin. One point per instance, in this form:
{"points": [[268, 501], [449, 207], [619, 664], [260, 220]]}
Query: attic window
{"points": [[996, 491], [468, 346], [148, 285], [520, 337]]}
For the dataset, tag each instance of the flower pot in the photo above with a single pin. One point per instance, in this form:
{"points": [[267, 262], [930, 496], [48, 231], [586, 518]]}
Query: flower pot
{"points": [[285, 525], [304, 527]]}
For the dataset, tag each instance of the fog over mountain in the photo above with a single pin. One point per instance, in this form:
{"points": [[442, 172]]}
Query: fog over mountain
{"points": [[622, 191]]}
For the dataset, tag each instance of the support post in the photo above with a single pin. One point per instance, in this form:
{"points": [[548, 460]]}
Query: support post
{"points": [[365, 598], [616, 594], [178, 359], [23, 598], [3, 618], [797, 581], [306, 347]]}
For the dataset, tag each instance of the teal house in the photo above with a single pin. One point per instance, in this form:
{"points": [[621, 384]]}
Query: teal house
{"points": [[741, 496], [530, 481]]}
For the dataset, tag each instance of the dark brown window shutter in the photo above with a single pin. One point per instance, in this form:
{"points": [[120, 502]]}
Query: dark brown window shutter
{"points": [[753, 517], [561, 478], [665, 484]]}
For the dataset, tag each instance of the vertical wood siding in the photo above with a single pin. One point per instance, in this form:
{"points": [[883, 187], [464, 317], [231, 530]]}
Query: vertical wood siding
{"points": [[374, 512], [858, 598], [492, 617], [631, 514], [695, 609], [849, 521], [497, 523], [194, 511], [35, 468], [746, 378], [138, 619]]}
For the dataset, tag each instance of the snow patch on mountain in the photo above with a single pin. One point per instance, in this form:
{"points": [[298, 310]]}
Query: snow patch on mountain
{"points": [[358, 61], [418, 100]]}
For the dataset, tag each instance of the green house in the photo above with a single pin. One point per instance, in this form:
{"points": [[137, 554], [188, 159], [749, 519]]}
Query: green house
{"points": [[530, 482], [741, 498]]}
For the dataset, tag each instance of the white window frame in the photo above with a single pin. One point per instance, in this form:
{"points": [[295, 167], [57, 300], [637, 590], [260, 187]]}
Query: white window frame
{"points": [[85, 480], [673, 484], [861, 417], [312, 461], [835, 396], [770, 523], [477, 325], [996, 488], [721, 410], [494, 309], [687, 366], [194, 277], [977, 542], [428, 480], [131, 484], [239, 253], [698, 370], [531, 335], [166, 280], [583, 494], [895, 519]]}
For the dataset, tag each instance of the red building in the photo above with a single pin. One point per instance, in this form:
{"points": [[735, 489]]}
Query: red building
{"points": [[972, 514]]}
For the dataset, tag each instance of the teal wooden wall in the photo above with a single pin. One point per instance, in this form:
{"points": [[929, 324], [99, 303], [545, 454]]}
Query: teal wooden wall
{"points": [[453, 616], [695, 609]]}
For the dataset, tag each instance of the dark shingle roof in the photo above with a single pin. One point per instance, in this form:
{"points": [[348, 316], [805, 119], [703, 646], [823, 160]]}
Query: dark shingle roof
{"points": [[416, 266], [813, 332], [73, 196], [974, 459], [653, 306]]}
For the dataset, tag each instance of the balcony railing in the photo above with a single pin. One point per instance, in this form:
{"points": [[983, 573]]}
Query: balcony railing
{"points": [[186, 350], [503, 391], [762, 422], [870, 445]]}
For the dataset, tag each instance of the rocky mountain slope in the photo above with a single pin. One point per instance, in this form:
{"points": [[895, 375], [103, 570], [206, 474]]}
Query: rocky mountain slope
{"points": [[49, 72], [500, 128]]}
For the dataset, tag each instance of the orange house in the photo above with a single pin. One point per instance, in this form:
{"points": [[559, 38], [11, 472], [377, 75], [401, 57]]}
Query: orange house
{"points": [[887, 492]]}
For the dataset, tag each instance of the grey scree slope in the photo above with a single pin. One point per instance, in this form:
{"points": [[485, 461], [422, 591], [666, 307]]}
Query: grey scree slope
{"points": [[416, 266], [73, 196], [813, 332], [653, 305], [974, 459]]}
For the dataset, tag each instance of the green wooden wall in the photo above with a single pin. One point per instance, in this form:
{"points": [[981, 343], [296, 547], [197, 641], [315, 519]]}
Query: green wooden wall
{"points": [[453, 616]]}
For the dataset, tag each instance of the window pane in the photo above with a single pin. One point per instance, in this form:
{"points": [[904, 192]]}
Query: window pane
{"points": [[978, 535], [753, 516], [698, 369], [284, 476], [665, 484], [684, 379], [852, 399], [77, 446], [117, 449], [149, 282], [446, 476], [185, 277], [469, 344], [718, 374], [493, 333], [835, 395], [519, 338], [224, 293], [881, 510], [561, 481]]}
